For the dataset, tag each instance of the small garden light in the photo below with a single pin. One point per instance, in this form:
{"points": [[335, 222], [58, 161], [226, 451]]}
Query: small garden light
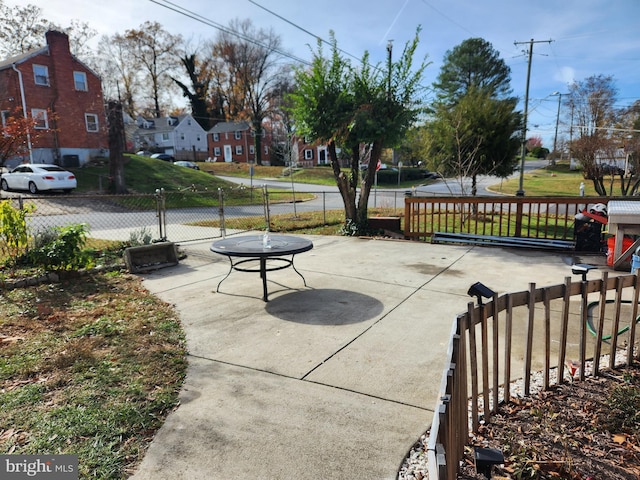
{"points": [[480, 290]]}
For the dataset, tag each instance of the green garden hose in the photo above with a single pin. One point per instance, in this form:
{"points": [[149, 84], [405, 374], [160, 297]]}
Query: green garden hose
{"points": [[592, 329]]}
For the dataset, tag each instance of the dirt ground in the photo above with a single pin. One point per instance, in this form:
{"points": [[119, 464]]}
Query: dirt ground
{"points": [[575, 431]]}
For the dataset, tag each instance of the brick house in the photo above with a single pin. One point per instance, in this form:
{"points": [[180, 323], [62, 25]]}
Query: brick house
{"points": [[310, 154], [64, 95], [180, 136], [234, 142]]}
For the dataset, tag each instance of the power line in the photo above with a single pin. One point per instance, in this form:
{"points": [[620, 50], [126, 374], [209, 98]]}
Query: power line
{"points": [[199, 18]]}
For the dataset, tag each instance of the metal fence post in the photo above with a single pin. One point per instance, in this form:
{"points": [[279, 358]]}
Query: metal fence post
{"points": [[324, 208], [161, 213], [265, 196], [223, 230]]}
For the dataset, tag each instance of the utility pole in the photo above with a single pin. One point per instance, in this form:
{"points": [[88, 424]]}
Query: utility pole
{"points": [[520, 192]]}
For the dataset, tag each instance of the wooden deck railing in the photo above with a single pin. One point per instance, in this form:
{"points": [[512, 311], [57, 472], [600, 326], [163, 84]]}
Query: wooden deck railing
{"points": [[519, 333], [527, 217]]}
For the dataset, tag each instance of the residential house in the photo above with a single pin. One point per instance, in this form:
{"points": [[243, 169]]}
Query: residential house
{"points": [[64, 95], [310, 154], [235, 142], [180, 136]]}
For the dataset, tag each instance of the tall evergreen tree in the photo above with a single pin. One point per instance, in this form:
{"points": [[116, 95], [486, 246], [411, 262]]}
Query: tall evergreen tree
{"points": [[475, 122], [474, 64]]}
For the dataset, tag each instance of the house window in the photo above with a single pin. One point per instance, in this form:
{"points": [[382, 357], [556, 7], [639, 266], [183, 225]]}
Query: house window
{"points": [[91, 121], [198, 137], [216, 151], [80, 81], [238, 149], [40, 117], [308, 154], [165, 136], [182, 136], [266, 150], [252, 149], [216, 137], [237, 135], [5, 117], [41, 74]]}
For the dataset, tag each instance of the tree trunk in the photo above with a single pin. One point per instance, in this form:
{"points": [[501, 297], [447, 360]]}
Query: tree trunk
{"points": [[348, 194], [116, 148], [365, 188], [257, 141]]}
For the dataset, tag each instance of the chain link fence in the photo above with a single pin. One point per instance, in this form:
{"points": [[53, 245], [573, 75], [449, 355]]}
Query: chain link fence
{"points": [[187, 215]]}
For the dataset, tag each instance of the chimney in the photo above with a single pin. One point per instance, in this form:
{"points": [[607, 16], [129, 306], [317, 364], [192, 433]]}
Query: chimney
{"points": [[58, 42]]}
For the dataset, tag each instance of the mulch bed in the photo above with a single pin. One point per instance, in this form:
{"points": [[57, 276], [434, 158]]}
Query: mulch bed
{"points": [[572, 431]]}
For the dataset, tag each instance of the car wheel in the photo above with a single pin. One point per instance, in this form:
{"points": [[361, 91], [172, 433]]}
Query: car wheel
{"points": [[32, 188], [4, 185]]}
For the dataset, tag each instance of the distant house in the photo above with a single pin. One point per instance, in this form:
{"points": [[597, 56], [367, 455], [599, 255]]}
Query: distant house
{"points": [[64, 95], [310, 154], [180, 136], [234, 142]]}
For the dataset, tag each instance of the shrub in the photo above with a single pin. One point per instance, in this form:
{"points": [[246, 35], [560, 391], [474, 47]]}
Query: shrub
{"points": [[65, 252], [14, 236]]}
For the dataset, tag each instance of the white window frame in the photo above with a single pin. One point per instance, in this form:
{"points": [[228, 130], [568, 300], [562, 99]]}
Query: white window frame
{"points": [[4, 117], [165, 136], [80, 81], [252, 149], [238, 149], [237, 135], [39, 114], [182, 136], [41, 75], [91, 122], [308, 154], [217, 152], [216, 137]]}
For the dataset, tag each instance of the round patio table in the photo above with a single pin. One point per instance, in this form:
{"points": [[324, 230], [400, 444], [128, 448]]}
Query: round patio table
{"points": [[243, 251]]}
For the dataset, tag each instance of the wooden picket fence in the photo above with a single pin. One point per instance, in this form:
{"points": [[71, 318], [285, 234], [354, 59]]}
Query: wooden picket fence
{"points": [[516, 334], [524, 217]]}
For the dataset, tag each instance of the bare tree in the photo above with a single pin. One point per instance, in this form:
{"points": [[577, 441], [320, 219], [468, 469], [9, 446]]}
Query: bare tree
{"points": [[155, 52], [120, 76], [592, 105], [23, 29], [248, 67]]}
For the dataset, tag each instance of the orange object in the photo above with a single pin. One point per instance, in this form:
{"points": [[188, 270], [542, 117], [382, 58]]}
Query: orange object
{"points": [[627, 242]]}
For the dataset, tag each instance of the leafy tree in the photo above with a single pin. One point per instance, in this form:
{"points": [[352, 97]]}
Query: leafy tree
{"points": [[474, 64], [534, 142], [474, 120], [155, 52], [357, 110], [15, 134], [477, 136], [414, 147], [592, 105]]}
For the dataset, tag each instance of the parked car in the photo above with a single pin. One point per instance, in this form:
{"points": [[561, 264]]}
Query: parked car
{"points": [[183, 163], [38, 177], [163, 156]]}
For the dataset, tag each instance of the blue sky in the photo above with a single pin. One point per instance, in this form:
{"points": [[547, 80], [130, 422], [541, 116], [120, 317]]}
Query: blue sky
{"points": [[590, 37]]}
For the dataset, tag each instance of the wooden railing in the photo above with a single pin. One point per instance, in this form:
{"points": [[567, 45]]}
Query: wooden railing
{"points": [[527, 217], [516, 334]]}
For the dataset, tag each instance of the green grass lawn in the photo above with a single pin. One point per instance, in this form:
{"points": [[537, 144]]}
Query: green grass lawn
{"points": [[90, 367], [554, 181]]}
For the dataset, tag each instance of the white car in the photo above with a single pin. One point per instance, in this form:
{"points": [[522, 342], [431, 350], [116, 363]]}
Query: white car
{"points": [[38, 177]]}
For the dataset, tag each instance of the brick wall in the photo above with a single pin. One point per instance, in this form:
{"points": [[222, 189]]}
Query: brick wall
{"points": [[65, 105]]}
